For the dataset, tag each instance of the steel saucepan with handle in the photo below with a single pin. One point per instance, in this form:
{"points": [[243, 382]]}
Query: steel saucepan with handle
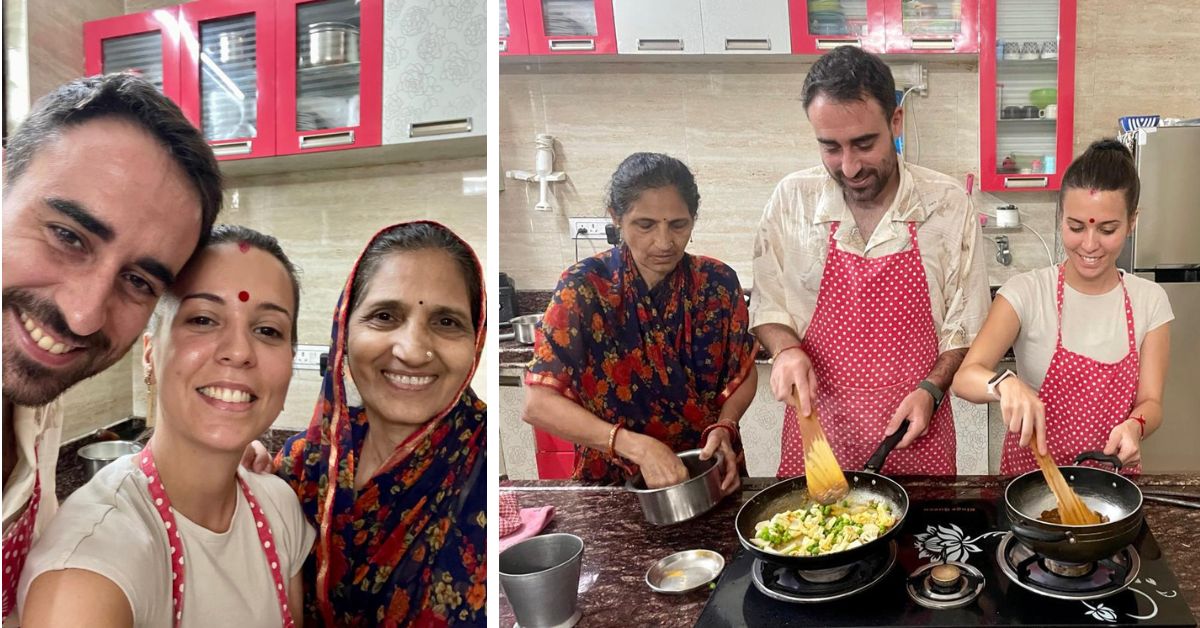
{"points": [[792, 494], [1106, 492]]}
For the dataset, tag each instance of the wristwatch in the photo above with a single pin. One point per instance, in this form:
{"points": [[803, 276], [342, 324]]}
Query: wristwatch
{"points": [[995, 381], [933, 391]]}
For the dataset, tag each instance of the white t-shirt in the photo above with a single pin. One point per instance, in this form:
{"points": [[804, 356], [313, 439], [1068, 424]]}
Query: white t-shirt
{"points": [[1093, 325], [110, 527]]}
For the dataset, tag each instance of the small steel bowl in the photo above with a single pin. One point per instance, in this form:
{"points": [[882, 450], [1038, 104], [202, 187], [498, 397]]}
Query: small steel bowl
{"points": [[98, 455], [685, 571]]}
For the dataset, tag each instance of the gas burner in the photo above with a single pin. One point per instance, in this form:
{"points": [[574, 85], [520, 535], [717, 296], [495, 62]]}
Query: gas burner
{"points": [[945, 585], [803, 587], [1067, 581]]}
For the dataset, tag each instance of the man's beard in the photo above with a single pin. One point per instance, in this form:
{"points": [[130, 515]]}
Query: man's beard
{"points": [[29, 383], [879, 180]]}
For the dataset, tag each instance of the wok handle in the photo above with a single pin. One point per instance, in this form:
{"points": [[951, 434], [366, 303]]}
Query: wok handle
{"points": [[1037, 534], [1163, 499], [1099, 456], [875, 463]]}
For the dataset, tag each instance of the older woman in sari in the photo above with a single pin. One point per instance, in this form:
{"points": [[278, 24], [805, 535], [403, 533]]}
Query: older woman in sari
{"points": [[395, 485], [644, 350]]}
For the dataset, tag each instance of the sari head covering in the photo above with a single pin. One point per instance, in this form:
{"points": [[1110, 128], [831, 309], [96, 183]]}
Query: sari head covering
{"points": [[409, 547], [658, 361]]}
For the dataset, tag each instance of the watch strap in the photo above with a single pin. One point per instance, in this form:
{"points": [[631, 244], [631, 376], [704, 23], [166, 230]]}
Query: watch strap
{"points": [[933, 391]]}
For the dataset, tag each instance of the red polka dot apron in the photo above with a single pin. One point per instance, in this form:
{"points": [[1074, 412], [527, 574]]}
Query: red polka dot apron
{"points": [[871, 341], [17, 541], [1085, 399], [162, 504]]}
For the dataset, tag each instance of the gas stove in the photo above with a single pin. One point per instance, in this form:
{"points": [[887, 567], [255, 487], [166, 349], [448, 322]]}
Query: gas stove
{"points": [[954, 564]]}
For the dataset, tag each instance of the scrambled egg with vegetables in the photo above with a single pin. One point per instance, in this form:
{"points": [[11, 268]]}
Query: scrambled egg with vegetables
{"points": [[821, 529]]}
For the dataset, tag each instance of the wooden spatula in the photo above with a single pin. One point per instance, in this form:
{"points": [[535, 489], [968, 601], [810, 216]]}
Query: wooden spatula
{"points": [[1071, 510], [826, 482]]}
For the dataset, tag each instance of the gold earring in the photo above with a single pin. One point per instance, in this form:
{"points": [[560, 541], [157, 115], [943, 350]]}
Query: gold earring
{"points": [[151, 398]]}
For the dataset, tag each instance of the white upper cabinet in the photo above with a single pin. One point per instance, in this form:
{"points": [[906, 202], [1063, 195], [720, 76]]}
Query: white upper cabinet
{"points": [[745, 26], [434, 70], [659, 27]]}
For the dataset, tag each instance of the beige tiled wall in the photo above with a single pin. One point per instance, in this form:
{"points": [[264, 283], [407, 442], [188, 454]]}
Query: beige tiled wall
{"points": [[740, 126]]}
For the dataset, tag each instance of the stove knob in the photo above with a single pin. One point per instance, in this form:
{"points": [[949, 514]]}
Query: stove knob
{"points": [[945, 577]]}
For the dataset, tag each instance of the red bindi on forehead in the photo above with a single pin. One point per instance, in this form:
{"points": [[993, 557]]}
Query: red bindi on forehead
{"points": [[243, 246], [243, 296], [1092, 220]]}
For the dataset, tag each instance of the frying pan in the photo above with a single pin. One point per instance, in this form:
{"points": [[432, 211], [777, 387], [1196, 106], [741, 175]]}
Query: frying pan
{"points": [[792, 494]]}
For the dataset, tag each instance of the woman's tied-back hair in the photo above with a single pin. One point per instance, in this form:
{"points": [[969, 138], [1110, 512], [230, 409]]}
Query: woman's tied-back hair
{"points": [[416, 236], [647, 171], [237, 234], [1106, 165]]}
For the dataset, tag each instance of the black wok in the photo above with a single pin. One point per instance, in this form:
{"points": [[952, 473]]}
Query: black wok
{"points": [[792, 494], [1110, 494]]}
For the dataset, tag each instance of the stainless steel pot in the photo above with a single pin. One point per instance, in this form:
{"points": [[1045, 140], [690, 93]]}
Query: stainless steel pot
{"points": [[97, 455], [523, 327], [687, 500], [1110, 494], [330, 43]]}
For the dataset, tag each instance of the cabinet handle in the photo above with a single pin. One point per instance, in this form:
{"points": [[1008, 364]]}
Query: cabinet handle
{"points": [[503, 45], [439, 127], [830, 44], [933, 43], [572, 44], [337, 138], [232, 148], [747, 44], [1028, 182], [660, 44]]}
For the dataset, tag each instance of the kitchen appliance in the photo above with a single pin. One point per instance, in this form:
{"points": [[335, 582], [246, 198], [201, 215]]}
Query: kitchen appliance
{"points": [[332, 43], [688, 499], [98, 455], [954, 563], [1165, 248], [508, 298]]}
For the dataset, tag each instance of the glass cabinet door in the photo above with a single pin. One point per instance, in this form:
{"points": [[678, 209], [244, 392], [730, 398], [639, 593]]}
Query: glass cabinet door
{"points": [[932, 26], [513, 40], [331, 73], [1027, 89], [145, 44], [571, 26], [820, 25], [1026, 93], [227, 73]]}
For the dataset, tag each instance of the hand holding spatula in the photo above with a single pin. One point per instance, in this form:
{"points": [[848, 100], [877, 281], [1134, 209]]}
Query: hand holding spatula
{"points": [[826, 482]]}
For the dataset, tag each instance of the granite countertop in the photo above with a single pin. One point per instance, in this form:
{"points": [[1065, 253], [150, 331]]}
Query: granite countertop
{"points": [[70, 473], [620, 546]]}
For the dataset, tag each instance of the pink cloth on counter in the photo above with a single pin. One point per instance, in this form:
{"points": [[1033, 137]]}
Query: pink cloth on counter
{"points": [[518, 524]]}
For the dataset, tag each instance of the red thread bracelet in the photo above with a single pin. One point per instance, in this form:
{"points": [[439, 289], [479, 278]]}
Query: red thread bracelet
{"points": [[1141, 421]]}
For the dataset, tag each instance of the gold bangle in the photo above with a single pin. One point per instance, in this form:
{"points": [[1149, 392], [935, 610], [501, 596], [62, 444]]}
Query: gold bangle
{"points": [[787, 348], [612, 440]]}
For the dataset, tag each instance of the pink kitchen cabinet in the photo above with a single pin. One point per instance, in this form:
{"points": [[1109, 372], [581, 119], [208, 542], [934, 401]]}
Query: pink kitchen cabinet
{"points": [[1025, 51]]}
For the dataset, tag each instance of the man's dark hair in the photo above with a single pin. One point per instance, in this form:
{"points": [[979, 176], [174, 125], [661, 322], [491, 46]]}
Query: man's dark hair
{"points": [[848, 73], [127, 97]]}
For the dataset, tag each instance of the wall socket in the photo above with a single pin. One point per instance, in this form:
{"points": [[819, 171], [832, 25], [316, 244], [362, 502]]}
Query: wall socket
{"points": [[592, 228], [308, 357]]}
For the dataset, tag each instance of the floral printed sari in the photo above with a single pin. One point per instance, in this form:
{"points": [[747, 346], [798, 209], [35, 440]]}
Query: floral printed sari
{"points": [[660, 361], [408, 548]]}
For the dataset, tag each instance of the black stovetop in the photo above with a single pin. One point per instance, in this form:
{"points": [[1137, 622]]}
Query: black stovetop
{"points": [[965, 530]]}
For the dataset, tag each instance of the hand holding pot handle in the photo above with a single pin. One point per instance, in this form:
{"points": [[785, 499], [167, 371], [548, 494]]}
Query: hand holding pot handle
{"points": [[1099, 456]]}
